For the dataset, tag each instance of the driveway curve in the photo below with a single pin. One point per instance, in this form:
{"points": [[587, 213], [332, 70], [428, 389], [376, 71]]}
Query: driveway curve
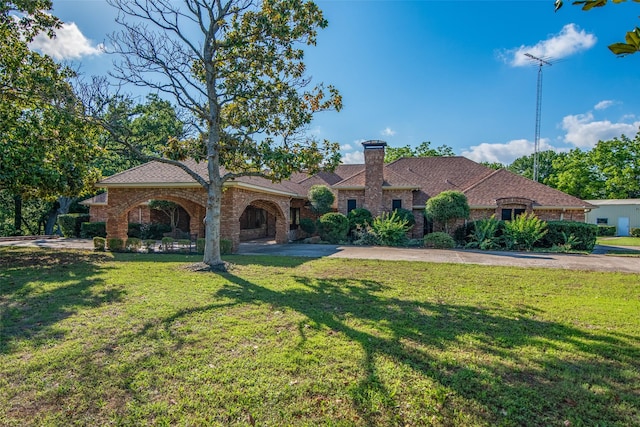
{"points": [[592, 262]]}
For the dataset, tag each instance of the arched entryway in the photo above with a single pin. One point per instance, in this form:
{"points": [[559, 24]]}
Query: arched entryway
{"points": [[124, 201], [262, 219]]}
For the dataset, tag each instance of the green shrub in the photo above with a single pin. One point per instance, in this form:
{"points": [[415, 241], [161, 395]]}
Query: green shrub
{"points": [[406, 215], [167, 243], [200, 245], [99, 243], [154, 231], [485, 234], [115, 244], [149, 245], [364, 236], [89, 230], [635, 232], [321, 199], [333, 227], [134, 230], [462, 234], [570, 243], [308, 225], [390, 230], [439, 240], [606, 230], [226, 246], [70, 224], [185, 244], [133, 244], [359, 217], [523, 231], [586, 234]]}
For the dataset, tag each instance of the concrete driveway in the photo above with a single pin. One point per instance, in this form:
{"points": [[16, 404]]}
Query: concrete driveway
{"points": [[593, 262]]}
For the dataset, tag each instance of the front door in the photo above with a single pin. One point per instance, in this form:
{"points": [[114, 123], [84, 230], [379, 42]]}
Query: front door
{"points": [[623, 226]]}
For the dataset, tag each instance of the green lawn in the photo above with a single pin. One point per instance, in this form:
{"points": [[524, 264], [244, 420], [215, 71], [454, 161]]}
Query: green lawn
{"points": [[619, 241], [96, 339]]}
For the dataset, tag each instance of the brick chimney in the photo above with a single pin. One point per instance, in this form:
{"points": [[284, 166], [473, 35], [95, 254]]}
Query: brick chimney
{"points": [[373, 176]]}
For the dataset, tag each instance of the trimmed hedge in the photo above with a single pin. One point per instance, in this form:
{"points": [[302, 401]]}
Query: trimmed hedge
{"points": [[89, 230], [635, 232], [359, 217], [333, 227], [225, 246], [585, 234], [439, 240], [148, 231], [99, 243], [115, 245], [606, 230], [70, 224], [308, 225]]}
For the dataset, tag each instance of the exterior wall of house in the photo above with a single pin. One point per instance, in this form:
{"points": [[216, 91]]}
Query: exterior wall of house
{"points": [[406, 196], [345, 195], [608, 214], [122, 201], [98, 213], [235, 200]]}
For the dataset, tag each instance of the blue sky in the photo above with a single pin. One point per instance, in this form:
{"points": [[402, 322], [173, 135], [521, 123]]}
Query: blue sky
{"points": [[449, 72]]}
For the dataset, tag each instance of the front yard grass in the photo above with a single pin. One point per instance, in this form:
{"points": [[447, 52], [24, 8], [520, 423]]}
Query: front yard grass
{"points": [[131, 339], [619, 241]]}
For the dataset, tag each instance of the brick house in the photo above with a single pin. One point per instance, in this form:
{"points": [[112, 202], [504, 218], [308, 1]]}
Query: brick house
{"points": [[255, 207]]}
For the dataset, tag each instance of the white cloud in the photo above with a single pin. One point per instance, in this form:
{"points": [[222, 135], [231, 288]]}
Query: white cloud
{"points": [[603, 105], [570, 40], [503, 153], [387, 132], [584, 132], [69, 43], [346, 147], [355, 157]]}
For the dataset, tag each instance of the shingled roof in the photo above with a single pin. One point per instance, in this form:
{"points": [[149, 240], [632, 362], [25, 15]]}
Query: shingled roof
{"points": [[427, 176], [158, 174]]}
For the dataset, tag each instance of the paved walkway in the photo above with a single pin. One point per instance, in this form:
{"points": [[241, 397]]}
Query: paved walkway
{"points": [[593, 262]]}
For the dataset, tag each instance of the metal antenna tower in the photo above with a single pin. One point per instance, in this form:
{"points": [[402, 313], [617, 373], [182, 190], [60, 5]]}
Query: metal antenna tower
{"points": [[536, 140]]}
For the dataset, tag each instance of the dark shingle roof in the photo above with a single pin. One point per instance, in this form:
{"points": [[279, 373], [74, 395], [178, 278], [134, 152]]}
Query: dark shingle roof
{"points": [[429, 176]]}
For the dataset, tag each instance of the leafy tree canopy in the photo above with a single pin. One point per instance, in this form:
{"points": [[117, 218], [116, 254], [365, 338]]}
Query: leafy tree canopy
{"points": [[447, 206], [47, 146], [524, 165], [321, 199], [237, 67], [423, 150]]}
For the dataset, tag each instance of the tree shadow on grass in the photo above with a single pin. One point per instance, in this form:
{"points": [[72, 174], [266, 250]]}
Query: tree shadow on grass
{"points": [[516, 368], [40, 288]]}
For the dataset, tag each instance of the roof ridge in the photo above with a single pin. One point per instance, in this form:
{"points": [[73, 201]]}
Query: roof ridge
{"points": [[350, 176], [481, 180]]}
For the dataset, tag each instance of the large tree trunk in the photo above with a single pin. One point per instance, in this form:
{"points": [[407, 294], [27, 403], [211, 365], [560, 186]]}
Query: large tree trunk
{"points": [[212, 226], [64, 203], [17, 214]]}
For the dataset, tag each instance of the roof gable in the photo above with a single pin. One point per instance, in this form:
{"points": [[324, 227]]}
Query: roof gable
{"points": [[503, 183]]}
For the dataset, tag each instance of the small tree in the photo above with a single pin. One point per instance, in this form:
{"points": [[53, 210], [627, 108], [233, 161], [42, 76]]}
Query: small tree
{"points": [[447, 207], [170, 209], [321, 199], [333, 227]]}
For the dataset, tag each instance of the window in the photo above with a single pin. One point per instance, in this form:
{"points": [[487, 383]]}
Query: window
{"points": [[294, 218], [396, 204], [351, 205], [602, 221], [509, 214]]}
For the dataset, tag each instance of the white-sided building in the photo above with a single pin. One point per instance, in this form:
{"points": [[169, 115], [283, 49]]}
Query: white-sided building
{"points": [[624, 214]]}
